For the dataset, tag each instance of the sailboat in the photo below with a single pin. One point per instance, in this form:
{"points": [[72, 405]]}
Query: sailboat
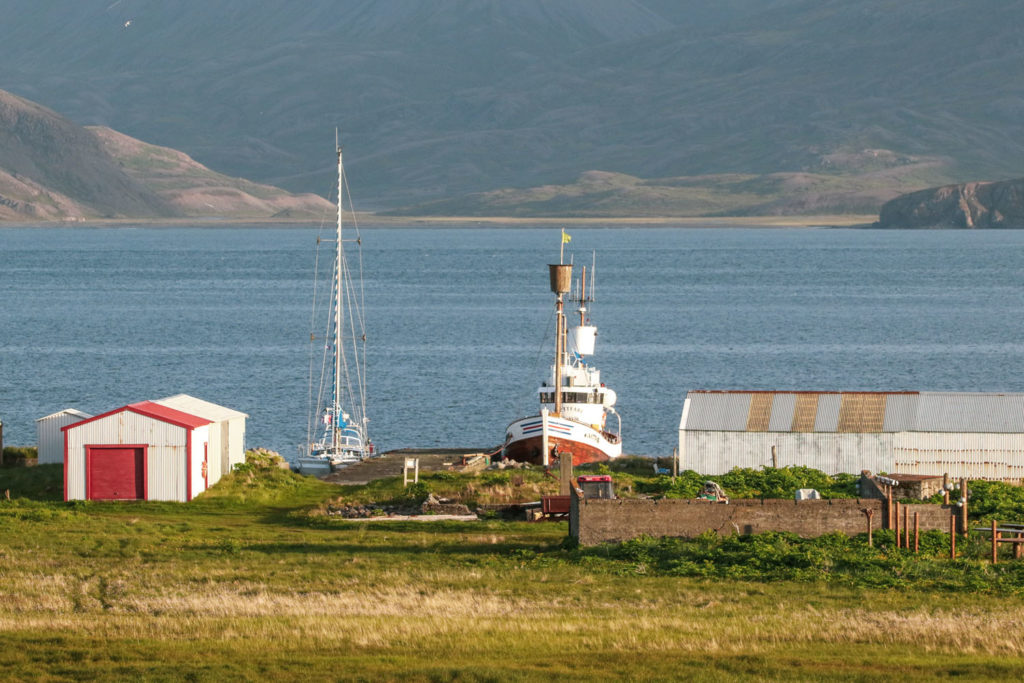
{"points": [[337, 427], [576, 408]]}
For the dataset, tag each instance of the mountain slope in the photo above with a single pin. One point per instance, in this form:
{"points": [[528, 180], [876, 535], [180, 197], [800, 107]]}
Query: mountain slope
{"points": [[194, 190], [440, 98], [53, 169]]}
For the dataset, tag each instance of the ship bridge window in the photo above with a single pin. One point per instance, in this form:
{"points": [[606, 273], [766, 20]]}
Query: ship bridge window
{"points": [[573, 397]]}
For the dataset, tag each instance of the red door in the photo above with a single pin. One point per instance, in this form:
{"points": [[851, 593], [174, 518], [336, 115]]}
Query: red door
{"points": [[115, 472]]}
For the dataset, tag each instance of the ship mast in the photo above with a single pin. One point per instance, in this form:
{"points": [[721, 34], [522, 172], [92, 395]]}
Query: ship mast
{"points": [[336, 418], [561, 279], [583, 297]]}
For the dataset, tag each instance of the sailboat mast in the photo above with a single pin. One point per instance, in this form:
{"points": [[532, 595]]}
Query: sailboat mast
{"points": [[336, 431]]}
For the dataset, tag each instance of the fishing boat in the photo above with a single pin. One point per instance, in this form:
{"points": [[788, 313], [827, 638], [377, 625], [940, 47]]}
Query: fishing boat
{"points": [[576, 408], [337, 427]]}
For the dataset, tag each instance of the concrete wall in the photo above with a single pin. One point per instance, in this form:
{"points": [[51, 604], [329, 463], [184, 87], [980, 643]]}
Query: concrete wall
{"points": [[597, 521]]}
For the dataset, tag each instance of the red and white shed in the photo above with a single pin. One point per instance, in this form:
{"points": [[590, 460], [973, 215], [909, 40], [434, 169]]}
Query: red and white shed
{"points": [[142, 451]]}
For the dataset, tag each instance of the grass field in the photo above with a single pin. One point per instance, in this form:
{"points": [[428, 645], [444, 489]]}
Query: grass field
{"points": [[242, 583]]}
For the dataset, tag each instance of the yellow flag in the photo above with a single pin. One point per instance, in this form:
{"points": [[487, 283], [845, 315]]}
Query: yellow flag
{"points": [[565, 236]]}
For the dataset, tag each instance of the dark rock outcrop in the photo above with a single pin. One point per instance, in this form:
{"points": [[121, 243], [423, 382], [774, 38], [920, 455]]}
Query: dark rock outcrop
{"points": [[968, 206]]}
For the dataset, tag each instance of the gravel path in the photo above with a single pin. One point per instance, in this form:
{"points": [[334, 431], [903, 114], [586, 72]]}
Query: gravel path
{"points": [[390, 464]]}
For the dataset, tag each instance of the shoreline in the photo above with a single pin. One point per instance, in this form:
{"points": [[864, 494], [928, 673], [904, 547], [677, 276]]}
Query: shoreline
{"points": [[372, 220]]}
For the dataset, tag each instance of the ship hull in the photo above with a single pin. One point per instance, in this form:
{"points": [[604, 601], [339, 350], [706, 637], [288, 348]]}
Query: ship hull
{"points": [[524, 441]]}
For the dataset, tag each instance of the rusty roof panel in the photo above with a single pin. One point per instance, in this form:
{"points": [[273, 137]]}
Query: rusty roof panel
{"points": [[862, 412], [805, 412], [760, 412]]}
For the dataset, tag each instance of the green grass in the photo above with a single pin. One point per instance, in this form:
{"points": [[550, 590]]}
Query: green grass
{"points": [[244, 583], [42, 482]]}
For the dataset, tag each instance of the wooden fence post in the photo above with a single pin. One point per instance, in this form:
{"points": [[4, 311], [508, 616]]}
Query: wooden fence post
{"points": [[917, 531], [963, 508], [952, 537], [995, 542], [899, 537], [868, 512]]}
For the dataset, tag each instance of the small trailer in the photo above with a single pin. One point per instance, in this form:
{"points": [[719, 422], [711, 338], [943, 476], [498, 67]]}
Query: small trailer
{"points": [[591, 485], [596, 486]]}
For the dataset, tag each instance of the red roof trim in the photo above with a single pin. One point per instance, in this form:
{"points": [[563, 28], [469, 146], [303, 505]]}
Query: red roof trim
{"points": [[156, 411], [171, 415]]}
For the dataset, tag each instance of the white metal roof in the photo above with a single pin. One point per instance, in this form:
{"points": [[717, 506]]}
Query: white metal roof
{"points": [[197, 406], [935, 411], [67, 411], [950, 411]]}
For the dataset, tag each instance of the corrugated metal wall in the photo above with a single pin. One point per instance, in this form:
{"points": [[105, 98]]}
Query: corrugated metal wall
{"points": [[716, 452], [975, 456], [50, 439], [166, 454], [234, 451], [217, 436], [200, 448]]}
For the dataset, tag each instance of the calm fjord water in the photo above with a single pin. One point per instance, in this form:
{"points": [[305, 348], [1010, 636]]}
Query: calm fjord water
{"points": [[460, 321]]}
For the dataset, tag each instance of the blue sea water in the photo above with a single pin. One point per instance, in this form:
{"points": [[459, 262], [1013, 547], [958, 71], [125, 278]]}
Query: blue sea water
{"points": [[460, 321]]}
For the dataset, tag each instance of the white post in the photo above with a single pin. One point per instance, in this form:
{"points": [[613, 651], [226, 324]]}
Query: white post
{"points": [[414, 464], [545, 457]]}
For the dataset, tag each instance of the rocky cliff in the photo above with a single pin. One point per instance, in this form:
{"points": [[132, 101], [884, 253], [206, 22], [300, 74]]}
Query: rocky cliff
{"points": [[969, 205]]}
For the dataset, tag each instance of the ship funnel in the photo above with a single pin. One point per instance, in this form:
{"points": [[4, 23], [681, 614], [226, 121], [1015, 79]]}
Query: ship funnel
{"points": [[582, 339], [561, 277]]}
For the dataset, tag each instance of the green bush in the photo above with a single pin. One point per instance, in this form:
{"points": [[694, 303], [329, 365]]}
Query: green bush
{"points": [[19, 455], [414, 494], [769, 482], [832, 558], [994, 500]]}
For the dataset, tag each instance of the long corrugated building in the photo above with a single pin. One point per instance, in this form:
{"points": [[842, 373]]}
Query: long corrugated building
{"points": [[974, 435]]}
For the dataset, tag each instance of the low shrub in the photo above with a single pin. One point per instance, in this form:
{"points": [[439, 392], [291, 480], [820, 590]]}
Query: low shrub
{"points": [[832, 558], [19, 455], [768, 482]]}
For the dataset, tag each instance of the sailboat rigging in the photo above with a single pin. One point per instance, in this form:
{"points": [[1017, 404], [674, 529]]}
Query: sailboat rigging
{"points": [[337, 433]]}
